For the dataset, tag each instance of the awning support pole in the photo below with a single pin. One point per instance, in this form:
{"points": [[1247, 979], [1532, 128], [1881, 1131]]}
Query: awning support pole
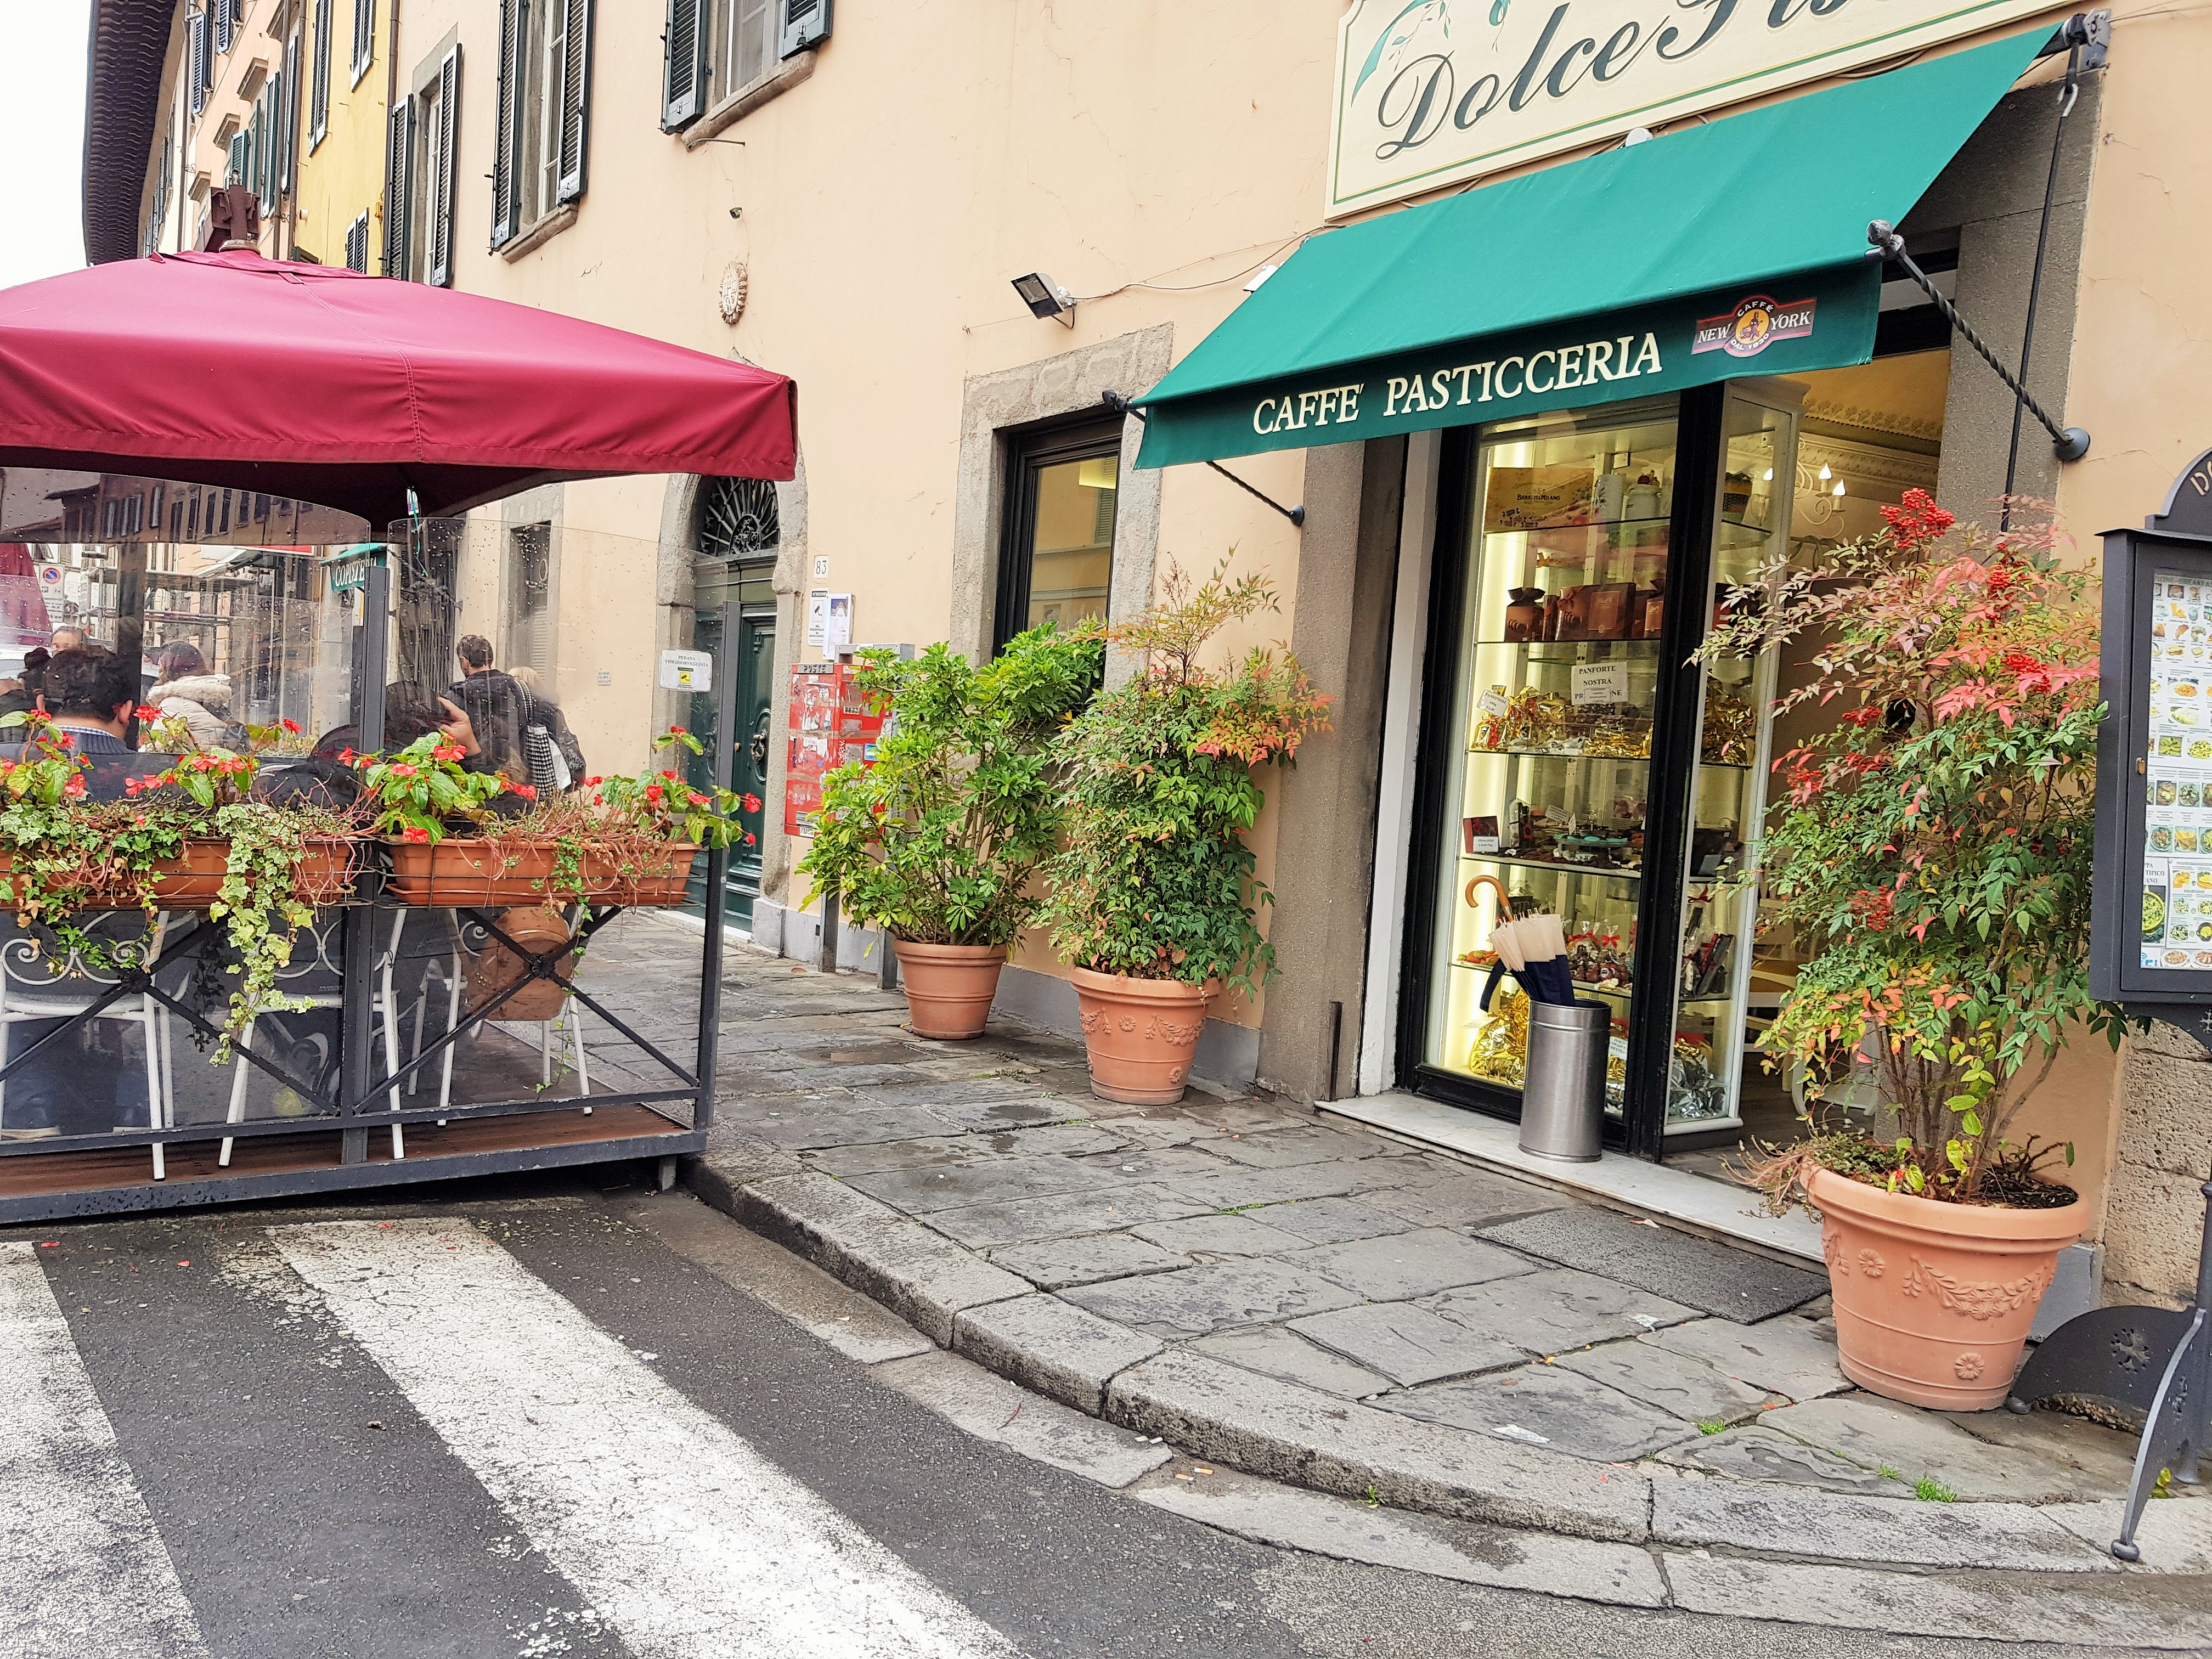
{"points": [[1120, 404], [2067, 443]]}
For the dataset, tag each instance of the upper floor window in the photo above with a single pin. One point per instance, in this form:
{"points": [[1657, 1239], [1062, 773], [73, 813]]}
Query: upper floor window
{"points": [[364, 38], [418, 204], [719, 47], [319, 74], [543, 112]]}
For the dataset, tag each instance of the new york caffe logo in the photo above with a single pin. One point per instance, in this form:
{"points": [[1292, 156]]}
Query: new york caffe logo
{"points": [[1431, 91]]}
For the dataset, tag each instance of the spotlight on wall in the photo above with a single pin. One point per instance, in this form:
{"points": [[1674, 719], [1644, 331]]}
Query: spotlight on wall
{"points": [[1046, 298]]}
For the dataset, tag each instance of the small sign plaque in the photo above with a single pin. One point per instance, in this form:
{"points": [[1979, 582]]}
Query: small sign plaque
{"points": [[1594, 683], [687, 670]]}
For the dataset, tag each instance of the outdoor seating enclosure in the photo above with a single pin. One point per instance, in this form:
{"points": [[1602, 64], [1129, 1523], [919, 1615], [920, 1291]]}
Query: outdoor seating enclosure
{"points": [[398, 1056]]}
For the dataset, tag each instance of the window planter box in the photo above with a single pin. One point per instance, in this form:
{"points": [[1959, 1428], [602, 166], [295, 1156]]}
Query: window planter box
{"points": [[194, 881], [459, 871]]}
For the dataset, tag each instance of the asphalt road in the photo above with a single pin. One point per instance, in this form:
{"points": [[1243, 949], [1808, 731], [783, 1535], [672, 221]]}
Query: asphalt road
{"points": [[510, 1419]]}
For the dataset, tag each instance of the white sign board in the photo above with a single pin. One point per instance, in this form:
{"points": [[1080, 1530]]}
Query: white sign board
{"points": [[1594, 683], [837, 627], [686, 671], [1433, 92], [817, 616]]}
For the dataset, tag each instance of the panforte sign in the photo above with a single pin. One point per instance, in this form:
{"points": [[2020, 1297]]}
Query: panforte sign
{"points": [[1432, 92]]}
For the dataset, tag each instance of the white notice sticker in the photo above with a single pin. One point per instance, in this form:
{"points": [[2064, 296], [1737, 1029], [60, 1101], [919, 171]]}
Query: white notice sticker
{"points": [[1600, 683], [1492, 702], [686, 671]]}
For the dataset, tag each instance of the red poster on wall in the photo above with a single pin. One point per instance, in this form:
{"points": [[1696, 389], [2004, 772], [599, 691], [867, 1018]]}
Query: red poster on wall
{"points": [[831, 726]]}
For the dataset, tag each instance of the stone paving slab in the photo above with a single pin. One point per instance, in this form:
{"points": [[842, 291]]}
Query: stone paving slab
{"points": [[1757, 1453], [1278, 1149], [1220, 1235], [1751, 1516], [1279, 1351], [1407, 1344], [1542, 1404], [932, 1151], [1402, 1266], [1712, 1278], [982, 1225], [1619, 1574], [1200, 1300], [1459, 1198], [1279, 1430], [1680, 1384], [1055, 1264], [1785, 1356], [1877, 1434], [990, 1407], [1330, 1220], [2104, 1458], [1042, 1343], [2175, 1533], [1557, 1308], [987, 1181], [845, 1123], [2124, 1612]]}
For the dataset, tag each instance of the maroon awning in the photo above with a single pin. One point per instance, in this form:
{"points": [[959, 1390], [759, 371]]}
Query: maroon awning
{"points": [[326, 385]]}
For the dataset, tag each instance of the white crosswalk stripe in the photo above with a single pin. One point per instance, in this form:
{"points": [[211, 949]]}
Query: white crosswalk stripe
{"points": [[85, 1571], [682, 1537]]}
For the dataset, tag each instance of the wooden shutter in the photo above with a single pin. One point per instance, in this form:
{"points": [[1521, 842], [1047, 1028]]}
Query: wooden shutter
{"points": [[319, 96], [288, 115], [575, 93], [806, 23], [196, 59], [447, 123], [357, 245], [399, 169], [684, 88], [506, 133], [364, 36], [225, 22]]}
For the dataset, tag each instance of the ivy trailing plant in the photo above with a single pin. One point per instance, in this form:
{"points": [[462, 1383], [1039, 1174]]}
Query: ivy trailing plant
{"points": [[1932, 849], [68, 853], [1156, 881], [937, 839]]}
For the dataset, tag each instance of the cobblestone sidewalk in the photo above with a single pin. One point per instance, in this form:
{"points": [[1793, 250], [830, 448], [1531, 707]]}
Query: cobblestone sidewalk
{"points": [[1301, 1298]]}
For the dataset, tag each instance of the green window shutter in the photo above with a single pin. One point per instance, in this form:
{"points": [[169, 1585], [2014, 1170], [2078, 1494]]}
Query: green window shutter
{"points": [[319, 96], [445, 130], [683, 90], [574, 92], [806, 23], [506, 133], [398, 168]]}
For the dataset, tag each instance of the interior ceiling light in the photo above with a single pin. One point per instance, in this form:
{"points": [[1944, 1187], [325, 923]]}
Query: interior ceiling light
{"points": [[1046, 298]]}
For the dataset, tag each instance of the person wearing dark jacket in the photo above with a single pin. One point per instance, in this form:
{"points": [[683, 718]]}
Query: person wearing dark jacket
{"points": [[498, 707], [23, 699]]}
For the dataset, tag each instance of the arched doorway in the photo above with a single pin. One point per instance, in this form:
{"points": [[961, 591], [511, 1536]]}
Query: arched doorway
{"points": [[736, 536]]}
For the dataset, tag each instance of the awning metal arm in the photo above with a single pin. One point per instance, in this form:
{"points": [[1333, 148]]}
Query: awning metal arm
{"points": [[1121, 405], [2068, 443]]}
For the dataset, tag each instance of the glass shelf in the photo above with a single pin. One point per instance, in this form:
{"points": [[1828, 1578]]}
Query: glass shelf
{"points": [[1746, 529], [1527, 644], [1612, 872], [1554, 754]]}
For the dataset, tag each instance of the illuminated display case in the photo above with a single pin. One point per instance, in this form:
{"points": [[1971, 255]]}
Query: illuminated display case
{"points": [[1581, 765]]}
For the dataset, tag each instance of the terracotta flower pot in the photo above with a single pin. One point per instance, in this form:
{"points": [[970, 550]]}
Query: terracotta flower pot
{"points": [[469, 872], [1140, 1034], [949, 987], [1934, 1301], [194, 881]]}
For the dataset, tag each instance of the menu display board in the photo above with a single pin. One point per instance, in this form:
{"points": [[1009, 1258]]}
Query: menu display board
{"points": [[2177, 773]]}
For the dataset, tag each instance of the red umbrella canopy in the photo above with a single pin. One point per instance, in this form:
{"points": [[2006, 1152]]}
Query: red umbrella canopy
{"points": [[326, 385]]}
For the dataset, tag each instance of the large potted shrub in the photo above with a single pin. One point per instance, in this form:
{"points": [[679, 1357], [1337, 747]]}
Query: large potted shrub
{"points": [[1931, 852], [935, 841], [1154, 901]]}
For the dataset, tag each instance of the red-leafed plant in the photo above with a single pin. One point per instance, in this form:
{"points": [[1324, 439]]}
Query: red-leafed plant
{"points": [[1932, 849]]}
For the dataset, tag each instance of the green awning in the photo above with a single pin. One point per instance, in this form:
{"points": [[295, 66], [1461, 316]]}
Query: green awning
{"points": [[1735, 247]]}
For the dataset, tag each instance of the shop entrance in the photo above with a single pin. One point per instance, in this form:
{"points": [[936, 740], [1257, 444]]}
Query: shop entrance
{"points": [[1575, 763], [752, 660]]}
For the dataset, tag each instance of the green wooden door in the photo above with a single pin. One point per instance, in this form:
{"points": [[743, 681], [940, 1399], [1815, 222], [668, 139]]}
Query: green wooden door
{"points": [[753, 661]]}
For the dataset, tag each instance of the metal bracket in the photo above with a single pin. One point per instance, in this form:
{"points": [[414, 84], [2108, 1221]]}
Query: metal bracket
{"points": [[2068, 443], [1121, 405]]}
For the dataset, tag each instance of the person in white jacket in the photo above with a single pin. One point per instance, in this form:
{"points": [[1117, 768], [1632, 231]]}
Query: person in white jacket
{"points": [[186, 691]]}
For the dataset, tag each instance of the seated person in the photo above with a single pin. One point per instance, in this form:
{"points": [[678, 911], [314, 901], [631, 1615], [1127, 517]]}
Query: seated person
{"points": [[90, 693]]}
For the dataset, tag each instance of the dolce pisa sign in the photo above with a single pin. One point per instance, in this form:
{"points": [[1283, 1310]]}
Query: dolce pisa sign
{"points": [[1433, 92]]}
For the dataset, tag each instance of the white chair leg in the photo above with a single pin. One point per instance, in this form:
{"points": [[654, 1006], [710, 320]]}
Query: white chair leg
{"points": [[545, 1052], [576, 1047], [155, 1117], [453, 1026], [239, 1079], [7, 1026], [415, 1053]]}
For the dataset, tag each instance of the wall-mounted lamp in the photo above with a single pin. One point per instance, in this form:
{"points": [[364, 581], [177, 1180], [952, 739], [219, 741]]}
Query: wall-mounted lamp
{"points": [[1046, 298]]}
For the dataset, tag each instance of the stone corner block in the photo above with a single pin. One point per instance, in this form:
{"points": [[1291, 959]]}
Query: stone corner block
{"points": [[1279, 1430], [921, 1276], [1052, 1346]]}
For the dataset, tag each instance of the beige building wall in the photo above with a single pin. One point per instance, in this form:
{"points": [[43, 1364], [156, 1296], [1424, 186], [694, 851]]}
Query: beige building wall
{"points": [[341, 176], [2141, 382]]}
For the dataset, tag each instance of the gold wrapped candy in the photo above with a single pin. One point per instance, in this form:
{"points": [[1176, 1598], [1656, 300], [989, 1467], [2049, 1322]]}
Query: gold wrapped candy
{"points": [[1731, 731], [1500, 1050]]}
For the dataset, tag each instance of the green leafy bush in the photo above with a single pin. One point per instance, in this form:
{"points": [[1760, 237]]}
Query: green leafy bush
{"points": [[939, 839], [1156, 881]]}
